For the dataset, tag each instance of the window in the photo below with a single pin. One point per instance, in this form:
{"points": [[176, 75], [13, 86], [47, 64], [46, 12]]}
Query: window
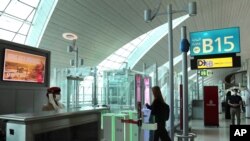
{"points": [[16, 18]]}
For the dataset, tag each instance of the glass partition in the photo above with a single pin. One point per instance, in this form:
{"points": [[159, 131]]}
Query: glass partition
{"points": [[115, 88], [119, 90], [76, 86]]}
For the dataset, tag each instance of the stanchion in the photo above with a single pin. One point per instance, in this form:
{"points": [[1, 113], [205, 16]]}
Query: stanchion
{"points": [[190, 137]]}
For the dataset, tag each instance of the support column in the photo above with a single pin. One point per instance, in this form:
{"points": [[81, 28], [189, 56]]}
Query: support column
{"points": [[184, 49], [171, 72]]}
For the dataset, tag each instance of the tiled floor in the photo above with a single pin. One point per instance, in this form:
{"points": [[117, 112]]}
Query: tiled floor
{"points": [[213, 133]]}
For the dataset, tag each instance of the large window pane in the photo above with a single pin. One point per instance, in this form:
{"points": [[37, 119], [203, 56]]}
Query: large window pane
{"points": [[19, 9], [3, 4], [136, 41], [120, 59], [126, 53], [116, 65], [33, 3], [113, 57], [16, 19], [9, 23], [6, 35], [31, 16], [24, 29], [19, 39], [123, 52], [129, 47], [106, 63]]}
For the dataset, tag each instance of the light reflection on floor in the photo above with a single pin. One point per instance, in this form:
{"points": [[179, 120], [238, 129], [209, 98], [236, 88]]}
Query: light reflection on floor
{"points": [[213, 133]]}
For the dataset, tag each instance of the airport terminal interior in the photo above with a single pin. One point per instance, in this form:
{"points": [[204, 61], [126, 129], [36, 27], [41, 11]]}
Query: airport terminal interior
{"points": [[83, 70]]}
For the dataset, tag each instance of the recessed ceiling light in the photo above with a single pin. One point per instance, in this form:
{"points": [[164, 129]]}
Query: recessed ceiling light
{"points": [[69, 36]]}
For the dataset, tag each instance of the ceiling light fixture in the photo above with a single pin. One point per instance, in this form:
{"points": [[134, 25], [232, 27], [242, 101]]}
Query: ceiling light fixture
{"points": [[73, 48], [69, 36]]}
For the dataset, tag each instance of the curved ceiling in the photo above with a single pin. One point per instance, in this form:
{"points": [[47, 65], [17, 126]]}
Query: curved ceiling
{"points": [[103, 26]]}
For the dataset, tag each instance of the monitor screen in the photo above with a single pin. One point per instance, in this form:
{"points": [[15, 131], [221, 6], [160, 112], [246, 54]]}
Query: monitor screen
{"points": [[147, 90], [23, 67], [223, 62], [138, 87]]}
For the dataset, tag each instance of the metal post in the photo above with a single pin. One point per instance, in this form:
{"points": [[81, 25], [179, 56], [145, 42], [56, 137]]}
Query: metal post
{"points": [[197, 82], [143, 84], [144, 69], [75, 48], [94, 100], [148, 17], [156, 74], [75, 82], [171, 73], [202, 86], [68, 94], [185, 86]]}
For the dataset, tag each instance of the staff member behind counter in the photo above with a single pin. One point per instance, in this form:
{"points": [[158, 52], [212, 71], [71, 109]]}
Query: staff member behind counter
{"points": [[235, 102], [54, 96]]}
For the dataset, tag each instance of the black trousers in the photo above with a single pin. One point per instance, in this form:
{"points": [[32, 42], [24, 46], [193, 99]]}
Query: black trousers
{"points": [[161, 132]]}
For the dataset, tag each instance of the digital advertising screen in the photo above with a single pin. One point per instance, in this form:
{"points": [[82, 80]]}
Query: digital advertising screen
{"points": [[23, 67], [138, 79], [147, 90]]}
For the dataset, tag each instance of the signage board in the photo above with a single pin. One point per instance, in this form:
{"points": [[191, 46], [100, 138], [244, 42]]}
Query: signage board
{"points": [[205, 73], [215, 63], [219, 41]]}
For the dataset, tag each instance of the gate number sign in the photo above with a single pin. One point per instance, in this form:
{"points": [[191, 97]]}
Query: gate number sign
{"points": [[219, 41]]}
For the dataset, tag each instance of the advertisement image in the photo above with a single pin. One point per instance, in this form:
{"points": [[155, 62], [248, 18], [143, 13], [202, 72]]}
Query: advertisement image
{"points": [[23, 67]]}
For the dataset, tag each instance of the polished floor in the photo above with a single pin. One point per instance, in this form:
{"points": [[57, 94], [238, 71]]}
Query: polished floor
{"points": [[214, 133]]}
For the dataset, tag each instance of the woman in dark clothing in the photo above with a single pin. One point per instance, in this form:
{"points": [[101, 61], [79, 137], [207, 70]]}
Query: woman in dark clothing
{"points": [[160, 110]]}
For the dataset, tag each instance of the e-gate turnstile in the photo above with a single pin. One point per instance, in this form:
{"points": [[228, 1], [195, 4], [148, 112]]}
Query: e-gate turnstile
{"points": [[137, 121], [115, 130]]}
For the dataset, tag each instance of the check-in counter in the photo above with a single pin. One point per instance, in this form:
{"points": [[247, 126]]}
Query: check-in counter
{"points": [[64, 125]]}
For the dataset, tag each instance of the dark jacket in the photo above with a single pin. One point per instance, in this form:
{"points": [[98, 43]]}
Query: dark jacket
{"points": [[160, 110]]}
